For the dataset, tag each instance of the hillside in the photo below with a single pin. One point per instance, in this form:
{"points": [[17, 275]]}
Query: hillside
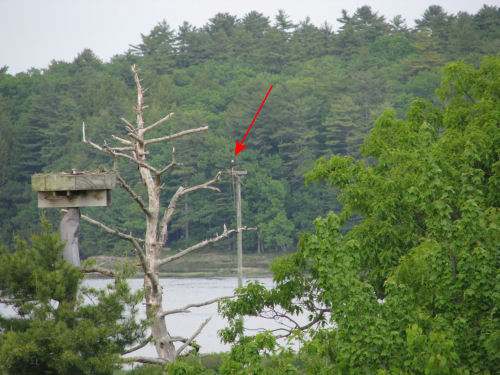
{"points": [[330, 86]]}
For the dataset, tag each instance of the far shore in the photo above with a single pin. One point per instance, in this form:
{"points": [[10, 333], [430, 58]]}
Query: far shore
{"points": [[202, 264]]}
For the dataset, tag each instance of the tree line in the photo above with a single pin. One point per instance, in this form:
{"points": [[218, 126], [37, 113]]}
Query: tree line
{"points": [[330, 86]]}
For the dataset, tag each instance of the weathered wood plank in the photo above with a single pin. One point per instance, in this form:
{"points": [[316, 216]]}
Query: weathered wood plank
{"points": [[90, 182], [38, 182], [67, 181], [110, 180], [90, 198], [59, 182]]}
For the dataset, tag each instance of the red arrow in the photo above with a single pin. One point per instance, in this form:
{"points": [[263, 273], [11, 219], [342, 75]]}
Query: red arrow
{"points": [[240, 146]]}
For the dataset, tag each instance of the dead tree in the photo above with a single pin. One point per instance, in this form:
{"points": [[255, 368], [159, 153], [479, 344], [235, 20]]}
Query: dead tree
{"points": [[149, 249]]}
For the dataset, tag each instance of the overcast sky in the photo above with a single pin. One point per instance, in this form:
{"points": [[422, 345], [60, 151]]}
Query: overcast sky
{"points": [[35, 32]]}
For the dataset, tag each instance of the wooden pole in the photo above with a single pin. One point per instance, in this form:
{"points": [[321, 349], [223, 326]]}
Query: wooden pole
{"points": [[239, 240], [70, 229]]}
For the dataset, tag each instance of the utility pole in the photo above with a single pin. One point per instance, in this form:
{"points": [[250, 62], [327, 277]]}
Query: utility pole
{"points": [[239, 240]]}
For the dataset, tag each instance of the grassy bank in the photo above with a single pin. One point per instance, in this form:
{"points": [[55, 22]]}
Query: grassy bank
{"points": [[207, 263]]}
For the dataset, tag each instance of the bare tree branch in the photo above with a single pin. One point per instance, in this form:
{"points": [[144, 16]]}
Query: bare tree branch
{"points": [[142, 257], [197, 246], [124, 141], [178, 338], [139, 346], [206, 185], [140, 98], [136, 161], [145, 265], [108, 150], [287, 328], [109, 230], [167, 168], [146, 360], [128, 157], [186, 308], [176, 135], [135, 241], [138, 138], [316, 320], [128, 125], [84, 138], [159, 122], [278, 315], [98, 269], [270, 330], [169, 212], [88, 141], [190, 340], [172, 164], [126, 148], [134, 195]]}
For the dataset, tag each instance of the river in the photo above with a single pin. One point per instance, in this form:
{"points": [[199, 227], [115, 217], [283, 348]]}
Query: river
{"points": [[179, 292]]}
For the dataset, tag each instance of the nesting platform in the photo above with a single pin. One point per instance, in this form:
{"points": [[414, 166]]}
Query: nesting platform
{"points": [[80, 189]]}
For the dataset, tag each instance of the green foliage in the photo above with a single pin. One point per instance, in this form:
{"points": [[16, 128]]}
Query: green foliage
{"points": [[53, 329], [329, 88], [183, 368], [414, 288], [426, 192], [258, 355]]}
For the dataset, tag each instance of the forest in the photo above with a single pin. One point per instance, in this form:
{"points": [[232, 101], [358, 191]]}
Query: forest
{"points": [[330, 87], [373, 172]]}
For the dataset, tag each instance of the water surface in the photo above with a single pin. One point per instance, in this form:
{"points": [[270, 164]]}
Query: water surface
{"points": [[179, 292]]}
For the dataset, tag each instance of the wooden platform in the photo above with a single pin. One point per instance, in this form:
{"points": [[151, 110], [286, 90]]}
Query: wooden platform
{"points": [[82, 189]]}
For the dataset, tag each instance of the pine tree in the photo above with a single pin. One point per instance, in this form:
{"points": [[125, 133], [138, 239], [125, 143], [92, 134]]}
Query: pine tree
{"points": [[54, 329]]}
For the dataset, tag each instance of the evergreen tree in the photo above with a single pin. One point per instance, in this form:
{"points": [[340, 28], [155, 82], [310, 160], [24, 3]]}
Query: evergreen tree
{"points": [[158, 48], [55, 330], [436, 23], [340, 127]]}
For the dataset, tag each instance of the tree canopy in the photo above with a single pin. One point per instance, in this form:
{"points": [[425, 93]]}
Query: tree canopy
{"points": [[414, 287], [330, 87]]}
